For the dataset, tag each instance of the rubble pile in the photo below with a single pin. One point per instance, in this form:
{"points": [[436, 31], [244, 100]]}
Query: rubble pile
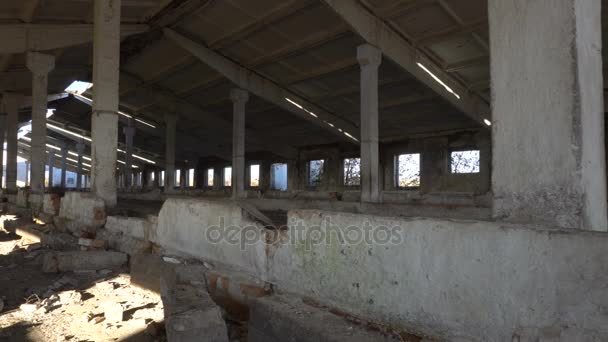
{"points": [[58, 285]]}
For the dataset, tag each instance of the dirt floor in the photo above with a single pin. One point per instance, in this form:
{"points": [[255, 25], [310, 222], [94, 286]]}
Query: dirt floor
{"points": [[83, 306]]}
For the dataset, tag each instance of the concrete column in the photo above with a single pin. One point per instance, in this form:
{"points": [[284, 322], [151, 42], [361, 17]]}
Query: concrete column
{"points": [[239, 99], [293, 175], [156, 180], [549, 164], [40, 65], [11, 103], [129, 133], [51, 166], [369, 58], [64, 156], [3, 117], [80, 151], [183, 183], [104, 122], [170, 122], [27, 173]]}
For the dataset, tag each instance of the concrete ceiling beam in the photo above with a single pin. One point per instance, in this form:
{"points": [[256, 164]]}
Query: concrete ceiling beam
{"points": [[20, 38], [176, 11], [267, 89], [378, 33], [469, 63]]}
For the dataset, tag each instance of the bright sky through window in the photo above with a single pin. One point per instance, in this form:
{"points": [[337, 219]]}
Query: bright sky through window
{"points": [[254, 175], [78, 87]]}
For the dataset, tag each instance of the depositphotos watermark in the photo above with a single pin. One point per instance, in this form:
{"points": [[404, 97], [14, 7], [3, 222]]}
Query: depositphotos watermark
{"points": [[298, 234]]}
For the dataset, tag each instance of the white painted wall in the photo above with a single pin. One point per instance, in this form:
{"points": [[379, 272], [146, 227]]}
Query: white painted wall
{"points": [[460, 280]]}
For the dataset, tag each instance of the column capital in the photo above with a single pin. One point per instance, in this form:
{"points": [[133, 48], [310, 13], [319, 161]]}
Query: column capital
{"points": [[369, 56], [39, 63], [239, 95]]}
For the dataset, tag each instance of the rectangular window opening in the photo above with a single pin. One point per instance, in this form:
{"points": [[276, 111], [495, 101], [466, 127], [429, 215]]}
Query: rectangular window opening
{"points": [[191, 178], [254, 175], [278, 176], [408, 170], [210, 175], [315, 172], [228, 176], [352, 171], [464, 161], [178, 177]]}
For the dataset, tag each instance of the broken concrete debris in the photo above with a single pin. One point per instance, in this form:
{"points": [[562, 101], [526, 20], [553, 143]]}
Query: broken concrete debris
{"points": [[113, 312], [190, 314], [92, 243], [68, 297], [88, 260]]}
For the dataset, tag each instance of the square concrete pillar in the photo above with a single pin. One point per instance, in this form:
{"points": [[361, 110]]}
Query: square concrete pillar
{"points": [[40, 65], [80, 150], [11, 103], [51, 163], [3, 116], [129, 133], [369, 58], [104, 121], [170, 126], [64, 160], [239, 99], [549, 164]]}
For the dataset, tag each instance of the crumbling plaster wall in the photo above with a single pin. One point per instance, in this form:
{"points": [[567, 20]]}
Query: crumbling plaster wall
{"points": [[461, 280], [82, 209]]}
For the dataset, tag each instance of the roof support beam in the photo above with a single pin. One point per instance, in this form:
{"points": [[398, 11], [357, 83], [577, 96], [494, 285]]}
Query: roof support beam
{"points": [[376, 32], [267, 89], [40, 37]]}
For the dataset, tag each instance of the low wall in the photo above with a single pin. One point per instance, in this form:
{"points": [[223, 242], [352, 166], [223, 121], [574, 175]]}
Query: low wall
{"points": [[22, 198], [83, 208], [187, 227], [135, 227], [458, 280], [51, 204]]}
